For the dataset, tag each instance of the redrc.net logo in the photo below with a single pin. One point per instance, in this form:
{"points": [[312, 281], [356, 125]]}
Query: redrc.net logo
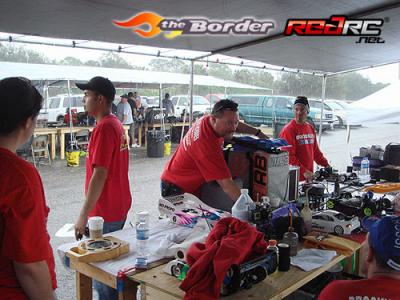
{"points": [[173, 27], [368, 30]]}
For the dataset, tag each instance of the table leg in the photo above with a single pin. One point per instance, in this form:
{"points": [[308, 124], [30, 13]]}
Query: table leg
{"points": [[83, 287], [140, 135], [62, 145], [53, 146], [146, 128], [129, 292]]}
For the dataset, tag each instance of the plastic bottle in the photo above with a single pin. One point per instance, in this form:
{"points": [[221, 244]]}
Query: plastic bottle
{"points": [[292, 239], [142, 237], [272, 246], [306, 215], [243, 204], [364, 171]]}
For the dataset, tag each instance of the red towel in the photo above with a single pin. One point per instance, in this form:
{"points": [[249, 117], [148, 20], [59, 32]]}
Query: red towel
{"points": [[230, 242]]}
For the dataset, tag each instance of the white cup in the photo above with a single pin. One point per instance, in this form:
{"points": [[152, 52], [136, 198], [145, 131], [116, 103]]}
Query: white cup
{"points": [[96, 227]]}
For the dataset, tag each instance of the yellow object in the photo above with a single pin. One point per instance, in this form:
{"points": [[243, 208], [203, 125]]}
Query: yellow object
{"points": [[73, 158], [383, 188], [167, 148]]}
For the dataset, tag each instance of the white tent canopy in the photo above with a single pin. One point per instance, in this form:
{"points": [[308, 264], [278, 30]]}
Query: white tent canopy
{"points": [[92, 21], [380, 107], [120, 77]]}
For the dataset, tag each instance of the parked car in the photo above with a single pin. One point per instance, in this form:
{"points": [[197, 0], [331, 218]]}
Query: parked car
{"points": [[328, 120], [264, 109], [181, 104], [214, 98], [339, 111], [332, 221], [56, 108], [153, 101]]}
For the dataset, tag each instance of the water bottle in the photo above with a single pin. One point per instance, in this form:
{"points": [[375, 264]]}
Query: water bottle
{"points": [[243, 204], [306, 215], [364, 172], [272, 246], [142, 237]]}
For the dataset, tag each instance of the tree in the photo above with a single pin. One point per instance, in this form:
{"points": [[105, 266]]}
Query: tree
{"points": [[71, 61], [17, 53], [113, 60], [169, 65]]}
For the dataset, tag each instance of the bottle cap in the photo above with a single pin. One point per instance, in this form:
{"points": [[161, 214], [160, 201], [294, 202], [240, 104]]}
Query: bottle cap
{"points": [[272, 243], [244, 191]]}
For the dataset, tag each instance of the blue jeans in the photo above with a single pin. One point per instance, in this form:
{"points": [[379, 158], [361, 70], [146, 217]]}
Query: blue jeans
{"points": [[105, 292]]}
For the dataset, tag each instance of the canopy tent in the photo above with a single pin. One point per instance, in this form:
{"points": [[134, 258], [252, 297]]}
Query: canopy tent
{"points": [[380, 107], [120, 77], [92, 21]]}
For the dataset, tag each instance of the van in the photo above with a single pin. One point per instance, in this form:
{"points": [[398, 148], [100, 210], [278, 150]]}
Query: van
{"points": [[181, 104], [266, 109], [56, 107]]}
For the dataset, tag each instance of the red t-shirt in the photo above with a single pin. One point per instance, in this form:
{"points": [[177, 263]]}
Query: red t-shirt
{"points": [[378, 287], [304, 150], [198, 159], [108, 148], [24, 214]]}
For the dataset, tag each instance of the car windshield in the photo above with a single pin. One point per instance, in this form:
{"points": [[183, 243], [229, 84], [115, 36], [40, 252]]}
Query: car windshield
{"points": [[318, 104], [335, 105], [199, 100], [54, 102], [340, 216]]}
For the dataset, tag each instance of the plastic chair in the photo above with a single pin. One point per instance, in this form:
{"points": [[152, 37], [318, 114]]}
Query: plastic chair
{"points": [[40, 148]]}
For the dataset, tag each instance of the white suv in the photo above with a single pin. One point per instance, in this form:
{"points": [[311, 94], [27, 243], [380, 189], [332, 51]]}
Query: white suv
{"points": [[56, 107], [181, 103]]}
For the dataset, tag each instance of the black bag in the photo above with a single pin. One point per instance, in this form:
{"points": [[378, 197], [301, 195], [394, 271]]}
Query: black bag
{"points": [[392, 154], [390, 173]]}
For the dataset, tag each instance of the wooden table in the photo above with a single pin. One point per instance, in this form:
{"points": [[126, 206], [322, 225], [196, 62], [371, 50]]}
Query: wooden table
{"points": [[85, 273], [64, 130], [51, 132], [160, 285]]}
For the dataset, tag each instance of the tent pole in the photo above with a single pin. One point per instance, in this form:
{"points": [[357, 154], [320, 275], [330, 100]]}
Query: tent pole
{"points": [[70, 113], [160, 95], [322, 108], [191, 93]]}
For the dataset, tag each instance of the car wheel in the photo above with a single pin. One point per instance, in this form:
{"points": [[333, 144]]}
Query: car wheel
{"points": [[175, 271], [174, 219], [60, 119], [338, 230], [340, 122]]}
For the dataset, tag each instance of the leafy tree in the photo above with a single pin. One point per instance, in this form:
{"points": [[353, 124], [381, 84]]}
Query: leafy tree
{"points": [[71, 61], [16, 53], [113, 60], [169, 65]]}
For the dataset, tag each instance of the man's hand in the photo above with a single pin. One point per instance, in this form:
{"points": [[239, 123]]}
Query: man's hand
{"points": [[80, 227], [308, 175]]}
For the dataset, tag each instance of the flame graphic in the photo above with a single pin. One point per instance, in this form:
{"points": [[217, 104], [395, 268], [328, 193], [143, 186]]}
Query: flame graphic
{"points": [[148, 18]]}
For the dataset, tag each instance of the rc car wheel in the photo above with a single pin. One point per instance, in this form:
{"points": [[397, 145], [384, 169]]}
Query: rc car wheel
{"points": [[338, 230], [175, 270], [367, 211], [330, 204]]}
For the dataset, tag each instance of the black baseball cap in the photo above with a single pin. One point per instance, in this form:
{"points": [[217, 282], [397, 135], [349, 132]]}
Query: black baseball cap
{"points": [[101, 85], [124, 96], [302, 100]]}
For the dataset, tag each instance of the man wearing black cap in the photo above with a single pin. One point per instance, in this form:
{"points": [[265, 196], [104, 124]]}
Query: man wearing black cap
{"points": [[382, 265], [301, 136], [107, 187], [199, 157]]}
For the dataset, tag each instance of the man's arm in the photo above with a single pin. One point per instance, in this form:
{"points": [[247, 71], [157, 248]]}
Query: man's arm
{"points": [[319, 157], [230, 188], [95, 188], [35, 280], [247, 129]]}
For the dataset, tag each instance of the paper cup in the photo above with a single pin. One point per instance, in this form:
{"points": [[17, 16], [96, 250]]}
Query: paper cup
{"points": [[96, 227]]}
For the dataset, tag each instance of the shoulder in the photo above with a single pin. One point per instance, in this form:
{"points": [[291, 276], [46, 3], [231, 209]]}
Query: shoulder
{"points": [[338, 289]]}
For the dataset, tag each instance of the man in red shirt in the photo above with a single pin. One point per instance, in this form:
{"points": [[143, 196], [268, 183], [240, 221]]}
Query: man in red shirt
{"points": [[26, 257], [199, 157], [382, 265], [301, 136], [107, 185]]}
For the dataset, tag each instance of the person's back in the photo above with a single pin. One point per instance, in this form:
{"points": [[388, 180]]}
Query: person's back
{"points": [[381, 251], [26, 257]]}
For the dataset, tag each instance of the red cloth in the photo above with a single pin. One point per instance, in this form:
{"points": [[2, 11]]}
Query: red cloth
{"points": [[108, 148], [230, 242], [198, 159], [24, 214], [304, 150], [378, 287]]}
